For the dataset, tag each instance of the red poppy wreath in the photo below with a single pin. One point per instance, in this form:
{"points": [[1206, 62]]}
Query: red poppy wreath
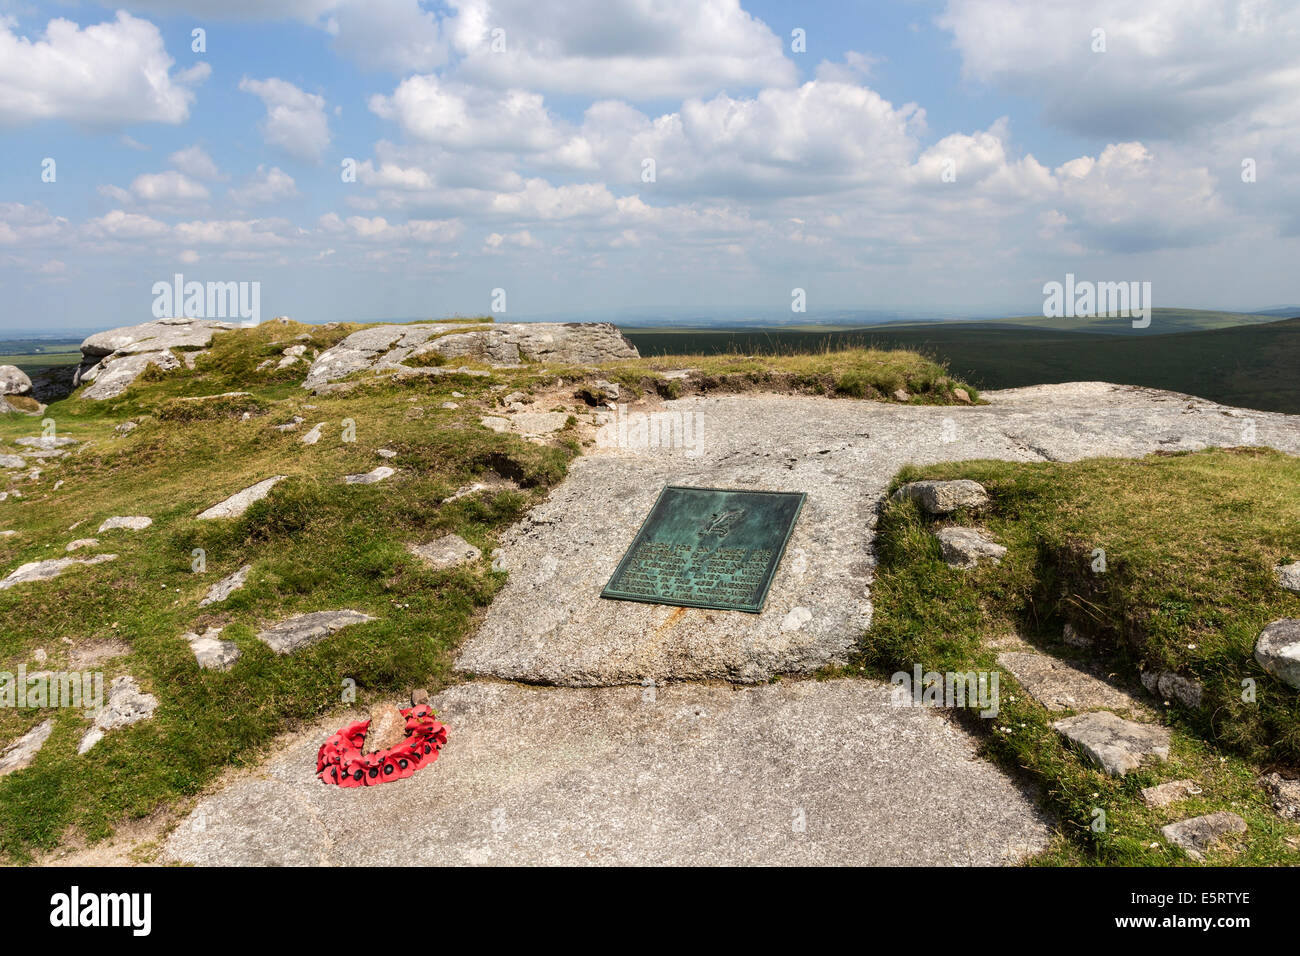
{"points": [[341, 760]]}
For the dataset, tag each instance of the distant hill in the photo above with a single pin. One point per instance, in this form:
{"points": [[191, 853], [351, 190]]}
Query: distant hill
{"points": [[1253, 366], [1163, 322]]}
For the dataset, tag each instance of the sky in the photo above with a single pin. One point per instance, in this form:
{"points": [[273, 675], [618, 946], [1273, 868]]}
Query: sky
{"points": [[365, 159]]}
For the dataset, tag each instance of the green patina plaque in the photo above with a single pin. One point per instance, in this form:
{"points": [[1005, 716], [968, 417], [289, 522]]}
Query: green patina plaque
{"points": [[707, 547]]}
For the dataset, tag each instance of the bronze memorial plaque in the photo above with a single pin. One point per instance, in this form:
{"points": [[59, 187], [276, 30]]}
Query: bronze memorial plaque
{"points": [[707, 547]]}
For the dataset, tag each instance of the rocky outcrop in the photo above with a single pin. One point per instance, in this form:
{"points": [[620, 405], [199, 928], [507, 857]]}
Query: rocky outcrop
{"points": [[226, 586], [22, 751], [416, 349], [112, 360]]}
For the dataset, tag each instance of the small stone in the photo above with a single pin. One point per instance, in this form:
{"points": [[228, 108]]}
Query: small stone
{"points": [[82, 543], [302, 630], [1169, 685], [1288, 575], [126, 705], [966, 548], [386, 453], [446, 552], [1278, 650], [226, 586], [1197, 835], [387, 729], [1118, 746], [495, 422], [1167, 793], [291, 425], [961, 395], [212, 653], [450, 406], [371, 477], [900, 395], [22, 751], [238, 503], [129, 522], [126, 428], [419, 697], [609, 391], [12, 461], [313, 436], [1284, 793], [40, 656], [944, 497], [513, 397]]}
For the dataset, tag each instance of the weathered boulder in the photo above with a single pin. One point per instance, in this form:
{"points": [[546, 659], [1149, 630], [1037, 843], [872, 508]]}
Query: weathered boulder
{"points": [[82, 543], [226, 586], [446, 552], [944, 497], [212, 653], [241, 501], [50, 568], [12, 461], [1116, 745], [1197, 835], [114, 359], [966, 548], [22, 751], [303, 629], [388, 347], [14, 381], [1278, 650], [126, 705]]}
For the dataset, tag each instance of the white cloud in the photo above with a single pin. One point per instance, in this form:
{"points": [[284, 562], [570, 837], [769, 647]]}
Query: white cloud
{"points": [[194, 161], [627, 48], [295, 120], [1170, 67], [462, 117], [119, 224], [239, 233], [377, 229], [104, 76], [265, 186], [393, 36]]}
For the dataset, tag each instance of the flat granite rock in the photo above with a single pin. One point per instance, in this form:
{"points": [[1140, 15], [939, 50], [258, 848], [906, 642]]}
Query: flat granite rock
{"points": [[549, 624], [126, 705], [1116, 745], [944, 497], [797, 773], [50, 568], [1288, 576], [212, 653], [1197, 835], [22, 751], [241, 501], [1162, 795], [302, 630], [226, 586], [1058, 685], [446, 552]]}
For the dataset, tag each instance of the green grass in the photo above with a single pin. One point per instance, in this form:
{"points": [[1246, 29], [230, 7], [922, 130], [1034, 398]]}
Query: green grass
{"points": [[1252, 366], [1190, 542], [314, 544]]}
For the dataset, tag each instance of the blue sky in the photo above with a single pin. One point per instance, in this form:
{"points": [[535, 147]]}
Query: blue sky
{"points": [[952, 155]]}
